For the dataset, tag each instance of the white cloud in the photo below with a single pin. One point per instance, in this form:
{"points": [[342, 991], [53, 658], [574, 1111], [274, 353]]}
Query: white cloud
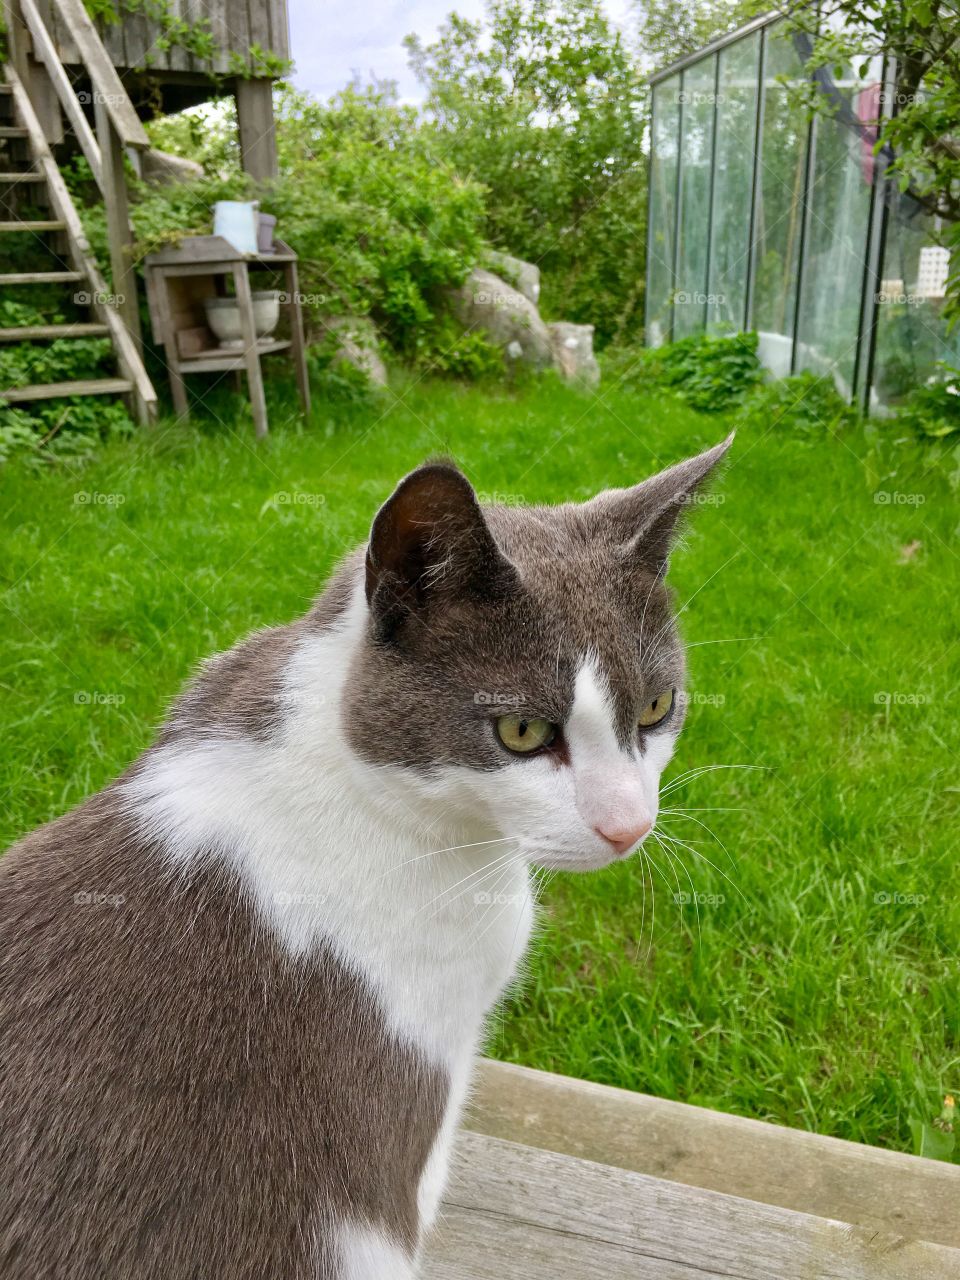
{"points": [[330, 42]]}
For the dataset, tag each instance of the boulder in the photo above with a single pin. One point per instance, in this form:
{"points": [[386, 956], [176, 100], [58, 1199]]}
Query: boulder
{"points": [[165, 170], [522, 275], [486, 303], [573, 352], [357, 343]]}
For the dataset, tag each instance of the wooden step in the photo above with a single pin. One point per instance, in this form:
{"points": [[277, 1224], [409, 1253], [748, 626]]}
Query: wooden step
{"points": [[54, 390], [12, 131], [517, 1213], [50, 332], [9, 179], [51, 224], [41, 277]]}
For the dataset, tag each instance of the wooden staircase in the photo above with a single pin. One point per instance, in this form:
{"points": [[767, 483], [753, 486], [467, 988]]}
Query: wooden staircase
{"points": [[38, 213]]}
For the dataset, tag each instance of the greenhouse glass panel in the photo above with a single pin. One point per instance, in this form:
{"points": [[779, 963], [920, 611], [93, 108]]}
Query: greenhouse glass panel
{"points": [[838, 226], [779, 213], [733, 184], [662, 215], [697, 96], [912, 336]]}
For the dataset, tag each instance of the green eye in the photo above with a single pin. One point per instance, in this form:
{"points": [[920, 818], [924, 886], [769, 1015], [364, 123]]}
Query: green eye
{"points": [[656, 710], [525, 736]]}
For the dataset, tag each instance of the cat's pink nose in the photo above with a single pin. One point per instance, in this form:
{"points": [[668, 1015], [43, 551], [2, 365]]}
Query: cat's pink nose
{"points": [[623, 837]]}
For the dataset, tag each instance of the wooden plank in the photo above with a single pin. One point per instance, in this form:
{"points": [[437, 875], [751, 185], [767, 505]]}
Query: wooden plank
{"points": [[51, 332], [107, 86], [54, 390], [44, 49], [128, 356], [226, 361], [14, 179], [12, 131], [41, 277], [789, 1168], [518, 1212], [258, 403], [119, 235], [39, 224], [258, 142]]}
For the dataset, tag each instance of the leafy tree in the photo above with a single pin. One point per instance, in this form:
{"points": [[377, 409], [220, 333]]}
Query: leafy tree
{"points": [[667, 30], [542, 102]]}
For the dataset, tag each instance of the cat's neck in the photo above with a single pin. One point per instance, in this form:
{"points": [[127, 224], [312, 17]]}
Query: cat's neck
{"points": [[435, 914]]}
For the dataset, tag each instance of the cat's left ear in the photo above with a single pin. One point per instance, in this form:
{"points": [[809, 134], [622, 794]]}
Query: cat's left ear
{"points": [[644, 519], [430, 545]]}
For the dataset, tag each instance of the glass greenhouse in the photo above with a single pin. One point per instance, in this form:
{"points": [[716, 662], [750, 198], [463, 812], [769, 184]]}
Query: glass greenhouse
{"points": [[761, 219]]}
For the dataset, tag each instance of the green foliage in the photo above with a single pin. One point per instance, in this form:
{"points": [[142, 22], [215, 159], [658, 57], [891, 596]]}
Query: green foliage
{"points": [[544, 105], [805, 402], [711, 373], [933, 411], [936, 1139]]}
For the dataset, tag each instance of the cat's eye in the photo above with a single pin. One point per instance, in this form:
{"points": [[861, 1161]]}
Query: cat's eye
{"points": [[657, 710], [524, 736]]}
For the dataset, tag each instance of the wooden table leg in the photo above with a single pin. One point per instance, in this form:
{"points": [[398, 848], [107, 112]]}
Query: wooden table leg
{"points": [[251, 351], [296, 337]]}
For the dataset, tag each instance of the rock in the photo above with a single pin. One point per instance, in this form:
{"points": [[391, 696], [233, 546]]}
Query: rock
{"points": [[165, 170], [358, 343], [522, 275], [573, 352], [487, 303]]}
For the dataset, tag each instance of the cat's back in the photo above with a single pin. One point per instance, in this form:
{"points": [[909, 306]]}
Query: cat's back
{"points": [[180, 1097]]}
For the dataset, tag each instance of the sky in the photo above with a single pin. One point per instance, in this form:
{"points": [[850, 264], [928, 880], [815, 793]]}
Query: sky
{"points": [[329, 41]]}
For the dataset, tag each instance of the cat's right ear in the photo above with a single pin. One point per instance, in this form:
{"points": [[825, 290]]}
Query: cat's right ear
{"points": [[431, 545]]}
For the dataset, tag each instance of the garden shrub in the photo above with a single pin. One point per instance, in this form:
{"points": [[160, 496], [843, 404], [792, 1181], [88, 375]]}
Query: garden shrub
{"points": [[711, 373], [804, 402]]}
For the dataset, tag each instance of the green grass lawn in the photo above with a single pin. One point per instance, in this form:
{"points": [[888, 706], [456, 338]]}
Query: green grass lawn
{"points": [[816, 982]]}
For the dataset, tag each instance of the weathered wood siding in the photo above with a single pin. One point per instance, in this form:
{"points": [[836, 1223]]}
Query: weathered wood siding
{"points": [[235, 24]]}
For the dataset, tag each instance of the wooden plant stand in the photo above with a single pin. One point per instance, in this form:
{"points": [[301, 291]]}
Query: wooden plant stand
{"points": [[178, 282]]}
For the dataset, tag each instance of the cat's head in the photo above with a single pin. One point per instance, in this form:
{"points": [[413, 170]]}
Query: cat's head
{"points": [[522, 664]]}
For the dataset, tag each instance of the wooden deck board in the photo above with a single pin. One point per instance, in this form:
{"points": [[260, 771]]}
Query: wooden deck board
{"points": [[788, 1168], [515, 1212]]}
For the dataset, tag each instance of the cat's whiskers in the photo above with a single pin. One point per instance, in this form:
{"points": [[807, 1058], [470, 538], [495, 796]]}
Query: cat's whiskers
{"points": [[685, 844], [488, 868], [688, 816], [674, 858], [452, 848], [698, 772]]}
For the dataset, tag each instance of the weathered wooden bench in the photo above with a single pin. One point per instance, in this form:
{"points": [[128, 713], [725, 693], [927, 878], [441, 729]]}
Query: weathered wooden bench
{"points": [[560, 1178]]}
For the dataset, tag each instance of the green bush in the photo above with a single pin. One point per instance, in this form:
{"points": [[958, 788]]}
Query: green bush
{"points": [[804, 402], [711, 373], [933, 411]]}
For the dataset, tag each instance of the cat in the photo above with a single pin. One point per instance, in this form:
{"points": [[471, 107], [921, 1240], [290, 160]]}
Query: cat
{"points": [[242, 987]]}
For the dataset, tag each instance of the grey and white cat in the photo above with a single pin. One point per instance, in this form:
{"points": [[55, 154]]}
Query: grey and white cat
{"points": [[242, 988]]}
